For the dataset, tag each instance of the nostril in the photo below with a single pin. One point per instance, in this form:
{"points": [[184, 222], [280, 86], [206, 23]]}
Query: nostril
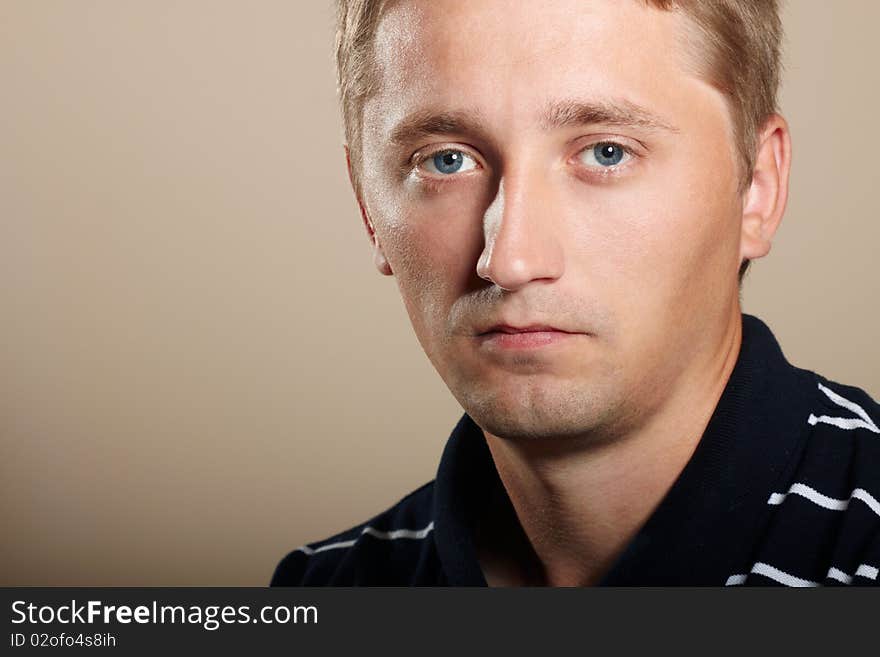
{"points": [[520, 243]]}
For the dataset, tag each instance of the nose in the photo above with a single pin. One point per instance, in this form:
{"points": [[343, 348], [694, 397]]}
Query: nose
{"points": [[522, 243]]}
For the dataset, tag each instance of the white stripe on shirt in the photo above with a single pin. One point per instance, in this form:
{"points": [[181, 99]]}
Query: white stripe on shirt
{"points": [[865, 570], [376, 533], [839, 575], [824, 501], [780, 576], [865, 421]]}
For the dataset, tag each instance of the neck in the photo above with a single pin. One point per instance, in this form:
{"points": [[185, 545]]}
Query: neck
{"points": [[579, 508]]}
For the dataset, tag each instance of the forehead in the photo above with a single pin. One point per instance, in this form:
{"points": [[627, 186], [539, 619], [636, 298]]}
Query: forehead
{"points": [[494, 56]]}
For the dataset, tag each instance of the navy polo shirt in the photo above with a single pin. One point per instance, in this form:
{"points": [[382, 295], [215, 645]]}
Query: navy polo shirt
{"points": [[782, 489]]}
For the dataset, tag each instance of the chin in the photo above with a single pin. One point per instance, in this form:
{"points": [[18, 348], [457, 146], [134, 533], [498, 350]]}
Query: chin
{"points": [[536, 413]]}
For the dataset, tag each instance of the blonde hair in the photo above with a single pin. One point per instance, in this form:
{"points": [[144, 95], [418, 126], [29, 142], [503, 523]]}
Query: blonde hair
{"points": [[739, 54]]}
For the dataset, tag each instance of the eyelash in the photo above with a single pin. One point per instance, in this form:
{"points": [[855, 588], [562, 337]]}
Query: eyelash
{"points": [[418, 160], [602, 172], [614, 169]]}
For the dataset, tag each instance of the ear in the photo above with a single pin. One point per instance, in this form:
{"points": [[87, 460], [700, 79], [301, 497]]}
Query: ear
{"points": [[764, 202], [379, 258]]}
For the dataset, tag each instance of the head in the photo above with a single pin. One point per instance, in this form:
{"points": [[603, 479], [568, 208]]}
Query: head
{"points": [[607, 168]]}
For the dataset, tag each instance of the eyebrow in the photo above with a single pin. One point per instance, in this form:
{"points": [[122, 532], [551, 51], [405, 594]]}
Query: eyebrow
{"points": [[426, 123], [621, 113], [558, 114]]}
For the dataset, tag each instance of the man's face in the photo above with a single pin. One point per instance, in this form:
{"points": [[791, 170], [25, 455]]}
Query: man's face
{"points": [[553, 165]]}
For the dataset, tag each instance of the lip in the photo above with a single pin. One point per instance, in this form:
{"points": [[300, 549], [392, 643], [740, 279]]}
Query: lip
{"points": [[534, 328], [505, 336]]}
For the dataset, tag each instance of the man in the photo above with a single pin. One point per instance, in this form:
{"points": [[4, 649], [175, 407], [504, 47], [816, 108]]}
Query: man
{"points": [[568, 194]]}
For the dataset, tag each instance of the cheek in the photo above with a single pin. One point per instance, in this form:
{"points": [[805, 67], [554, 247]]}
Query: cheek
{"points": [[661, 234], [702, 219], [433, 241]]}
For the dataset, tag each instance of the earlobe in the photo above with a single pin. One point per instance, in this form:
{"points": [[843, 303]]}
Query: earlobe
{"points": [[765, 200], [380, 261], [379, 258]]}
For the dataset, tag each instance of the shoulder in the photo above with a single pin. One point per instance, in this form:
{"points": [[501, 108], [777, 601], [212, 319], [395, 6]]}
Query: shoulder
{"points": [[394, 547], [825, 525], [845, 427], [836, 396]]}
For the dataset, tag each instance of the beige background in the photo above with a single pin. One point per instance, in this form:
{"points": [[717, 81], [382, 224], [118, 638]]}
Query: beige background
{"points": [[200, 367]]}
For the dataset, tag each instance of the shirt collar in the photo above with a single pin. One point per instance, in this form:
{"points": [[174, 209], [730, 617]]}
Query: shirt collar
{"points": [[700, 529]]}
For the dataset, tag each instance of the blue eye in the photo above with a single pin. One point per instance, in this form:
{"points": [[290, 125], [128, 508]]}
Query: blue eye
{"points": [[448, 162], [604, 154]]}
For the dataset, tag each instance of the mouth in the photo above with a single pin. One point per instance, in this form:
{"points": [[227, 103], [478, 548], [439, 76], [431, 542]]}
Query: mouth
{"points": [[506, 336], [535, 328]]}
